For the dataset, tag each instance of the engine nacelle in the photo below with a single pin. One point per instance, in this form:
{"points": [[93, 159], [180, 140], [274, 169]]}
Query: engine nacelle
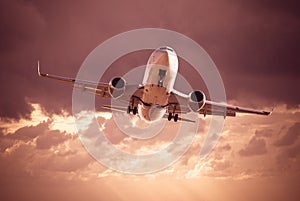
{"points": [[116, 87], [196, 100]]}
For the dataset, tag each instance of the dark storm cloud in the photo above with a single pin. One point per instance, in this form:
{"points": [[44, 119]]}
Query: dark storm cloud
{"points": [[290, 137], [45, 137], [29, 132], [20, 23], [5, 143], [254, 44], [38, 153], [256, 146], [20, 27], [257, 52]]}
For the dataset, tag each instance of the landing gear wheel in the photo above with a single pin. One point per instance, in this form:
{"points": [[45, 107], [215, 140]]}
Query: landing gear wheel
{"points": [[134, 111], [170, 116], [128, 110], [175, 117]]}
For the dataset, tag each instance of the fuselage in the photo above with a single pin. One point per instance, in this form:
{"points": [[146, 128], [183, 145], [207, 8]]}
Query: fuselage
{"points": [[158, 82]]}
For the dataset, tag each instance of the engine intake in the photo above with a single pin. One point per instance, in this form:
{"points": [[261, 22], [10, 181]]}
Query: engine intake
{"points": [[196, 100], [117, 87]]}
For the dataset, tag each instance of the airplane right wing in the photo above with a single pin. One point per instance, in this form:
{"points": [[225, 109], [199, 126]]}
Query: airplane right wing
{"points": [[100, 89]]}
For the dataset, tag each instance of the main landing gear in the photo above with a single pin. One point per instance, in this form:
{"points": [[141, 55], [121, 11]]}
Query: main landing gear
{"points": [[170, 116], [133, 109]]}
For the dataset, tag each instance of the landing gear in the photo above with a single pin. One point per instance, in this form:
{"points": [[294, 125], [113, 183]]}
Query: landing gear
{"points": [[128, 109], [170, 116], [132, 108], [134, 111], [173, 115]]}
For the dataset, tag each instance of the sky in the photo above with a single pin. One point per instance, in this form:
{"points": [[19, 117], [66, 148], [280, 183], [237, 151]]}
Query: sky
{"points": [[255, 46]]}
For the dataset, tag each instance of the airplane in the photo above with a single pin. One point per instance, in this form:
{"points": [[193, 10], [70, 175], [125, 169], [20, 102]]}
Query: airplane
{"points": [[156, 98]]}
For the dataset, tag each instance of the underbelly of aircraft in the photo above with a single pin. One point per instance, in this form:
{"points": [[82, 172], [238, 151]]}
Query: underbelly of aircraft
{"points": [[156, 96]]}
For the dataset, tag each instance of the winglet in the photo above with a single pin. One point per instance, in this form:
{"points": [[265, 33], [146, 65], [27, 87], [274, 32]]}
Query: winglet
{"points": [[272, 109], [39, 70], [269, 113], [38, 67]]}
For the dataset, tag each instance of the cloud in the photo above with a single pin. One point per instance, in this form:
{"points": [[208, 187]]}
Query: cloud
{"points": [[256, 146], [45, 138], [29, 132], [41, 151], [21, 27], [288, 161], [52, 158], [264, 133], [289, 137], [50, 138], [5, 143]]}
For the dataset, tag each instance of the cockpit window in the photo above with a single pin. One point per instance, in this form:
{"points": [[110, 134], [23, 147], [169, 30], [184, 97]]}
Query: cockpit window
{"points": [[162, 74], [166, 48]]}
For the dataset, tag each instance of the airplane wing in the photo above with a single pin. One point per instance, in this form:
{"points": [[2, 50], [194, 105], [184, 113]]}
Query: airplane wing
{"points": [[100, 88], [217, 109], [181, 102]]}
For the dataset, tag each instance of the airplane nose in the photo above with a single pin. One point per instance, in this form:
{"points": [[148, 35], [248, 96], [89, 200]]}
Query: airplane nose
{"points": [[156, 113], [160, 58], [151, 113]]}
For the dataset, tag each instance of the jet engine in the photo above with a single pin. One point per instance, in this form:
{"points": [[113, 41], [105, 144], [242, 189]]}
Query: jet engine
{"points": [[116, 87], [196, 100]]}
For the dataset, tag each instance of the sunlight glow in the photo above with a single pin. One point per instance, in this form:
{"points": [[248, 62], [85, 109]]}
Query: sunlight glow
{"points": [[63, 123]]}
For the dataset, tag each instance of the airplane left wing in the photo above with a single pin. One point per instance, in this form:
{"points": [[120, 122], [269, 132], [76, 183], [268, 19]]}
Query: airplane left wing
{"points": [[213, 108], [179, 103]]}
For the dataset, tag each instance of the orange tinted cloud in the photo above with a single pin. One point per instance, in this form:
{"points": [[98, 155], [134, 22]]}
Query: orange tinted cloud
{"points": [[40, 154]]}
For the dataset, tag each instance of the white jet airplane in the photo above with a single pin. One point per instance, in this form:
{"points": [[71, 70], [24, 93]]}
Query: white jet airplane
{"points": [[155, 98]]}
